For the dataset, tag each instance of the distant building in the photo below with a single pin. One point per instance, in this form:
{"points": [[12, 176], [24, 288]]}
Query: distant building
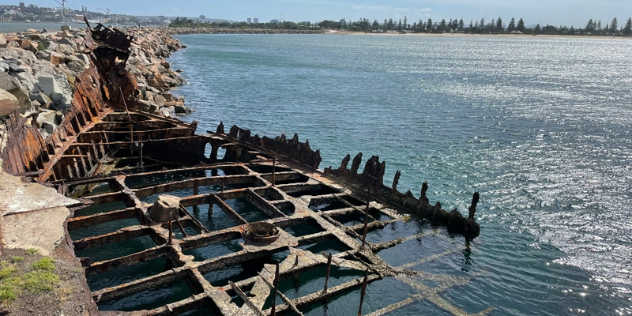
{"points": [[343, 22], [274, 21], [249, 20], [256, 20], [22, 7], [78, 18], [202, 17]]}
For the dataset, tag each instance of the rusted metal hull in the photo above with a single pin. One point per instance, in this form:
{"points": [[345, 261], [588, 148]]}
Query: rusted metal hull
{"points": [[108, 141]]}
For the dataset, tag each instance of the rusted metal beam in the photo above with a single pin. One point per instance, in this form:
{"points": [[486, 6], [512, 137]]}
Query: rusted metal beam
{"points": [[246, 299]]}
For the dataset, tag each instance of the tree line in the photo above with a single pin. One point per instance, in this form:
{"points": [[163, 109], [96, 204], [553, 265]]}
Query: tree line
{"points": [[494, 26]]}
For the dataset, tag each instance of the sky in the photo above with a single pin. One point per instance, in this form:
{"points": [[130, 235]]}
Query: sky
{"points": [[554, 12]]}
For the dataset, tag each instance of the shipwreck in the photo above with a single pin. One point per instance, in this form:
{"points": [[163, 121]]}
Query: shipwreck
{"points": [[166, 185]]}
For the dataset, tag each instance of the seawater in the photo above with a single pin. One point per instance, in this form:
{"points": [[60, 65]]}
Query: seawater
{"points": [[539, 126]]}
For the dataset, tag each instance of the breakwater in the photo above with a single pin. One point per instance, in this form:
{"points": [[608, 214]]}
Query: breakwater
{"points": [[38, 70]]}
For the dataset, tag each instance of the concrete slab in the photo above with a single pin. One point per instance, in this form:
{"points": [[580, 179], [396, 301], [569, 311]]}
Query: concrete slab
{"points": [[18, 197], [43, 230]]}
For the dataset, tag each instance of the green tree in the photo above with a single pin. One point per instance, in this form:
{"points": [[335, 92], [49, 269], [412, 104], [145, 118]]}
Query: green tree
{"points": [[598, 26], [461, 25], [627, 30], [376, 25], [429, 26], [521, 27], [614, 26], [442, 26], [537, 29], [499, 25], [471, 26], [482, 25], [512, 25], [405, 22], [590, 27]]}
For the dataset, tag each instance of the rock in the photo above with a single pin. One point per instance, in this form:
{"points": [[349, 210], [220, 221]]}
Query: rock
{"points": [[170, 81], [181, 109], [15, 65], [51, 88], [165, 112], [165, 208], [43, 99], [3, 41], [46, 120], [148, 106], [24, 56], [43, 55], [31, 31], [179, 70], [8, 103], [12, 85], [67, 41], [58, 117], [65, 49], [84, 59], [56, 58], [36, 37], [159, 100], [49, 45], [28, 45], [76, 66]]}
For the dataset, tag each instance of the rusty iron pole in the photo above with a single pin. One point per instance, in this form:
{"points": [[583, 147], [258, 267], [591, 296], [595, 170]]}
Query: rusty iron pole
{"points": [[210, 208], [328, 271], [366, 278], [131, 140], [274, 171], [170, 232], [276, 285], [181, 227], [196, 191], [366, 225], [140, 150]]}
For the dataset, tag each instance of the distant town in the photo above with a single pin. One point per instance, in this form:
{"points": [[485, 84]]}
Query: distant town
{"points": [[33, 13]]}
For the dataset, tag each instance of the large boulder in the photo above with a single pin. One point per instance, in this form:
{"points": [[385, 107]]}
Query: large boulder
{"points": [[3, 40], [12, 85], [28, 45], [65, 49], [165, 208], [60, 95], [8, 103]]}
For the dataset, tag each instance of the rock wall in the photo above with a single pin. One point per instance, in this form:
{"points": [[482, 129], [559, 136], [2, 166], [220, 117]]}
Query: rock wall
{"points": [[39, 70]]}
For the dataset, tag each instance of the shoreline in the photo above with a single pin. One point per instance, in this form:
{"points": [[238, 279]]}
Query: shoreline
{"points": [[475, 35], [192, 31]]}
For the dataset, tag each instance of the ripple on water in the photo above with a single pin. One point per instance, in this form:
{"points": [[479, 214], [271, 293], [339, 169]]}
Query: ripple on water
{"points": [[518, 119]]}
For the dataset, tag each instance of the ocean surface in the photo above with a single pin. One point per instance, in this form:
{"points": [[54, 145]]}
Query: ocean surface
{"points": [[540, 126]]}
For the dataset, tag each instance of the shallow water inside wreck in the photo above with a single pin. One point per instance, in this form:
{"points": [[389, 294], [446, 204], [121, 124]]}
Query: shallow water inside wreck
{"points": [[517, 119]]}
